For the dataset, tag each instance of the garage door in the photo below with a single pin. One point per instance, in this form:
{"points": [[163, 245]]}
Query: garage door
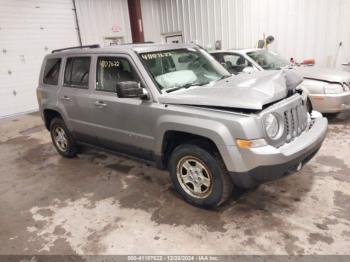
{"points": [[28, 31]]}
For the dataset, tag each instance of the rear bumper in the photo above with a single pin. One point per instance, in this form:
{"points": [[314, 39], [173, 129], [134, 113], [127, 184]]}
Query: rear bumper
{"points": [[273, 163], [330, 103]]}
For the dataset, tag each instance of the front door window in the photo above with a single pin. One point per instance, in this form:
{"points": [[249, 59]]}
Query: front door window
{"points": [[112, 70]]}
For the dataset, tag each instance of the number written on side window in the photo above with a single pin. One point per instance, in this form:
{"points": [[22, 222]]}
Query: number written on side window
{"points": [[112, 70], [52, 70], [77, 72]]}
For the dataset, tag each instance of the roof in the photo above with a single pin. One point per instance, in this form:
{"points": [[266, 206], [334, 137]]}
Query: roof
{"points": [[240, 51], [139, 48]]}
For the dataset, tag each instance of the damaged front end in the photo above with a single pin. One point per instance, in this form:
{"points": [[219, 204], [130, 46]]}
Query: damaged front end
{"points": [[288, 118], [252, 93]]}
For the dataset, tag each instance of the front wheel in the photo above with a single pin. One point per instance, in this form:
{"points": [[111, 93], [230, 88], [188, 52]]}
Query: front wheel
{"points": [[199, 176]]}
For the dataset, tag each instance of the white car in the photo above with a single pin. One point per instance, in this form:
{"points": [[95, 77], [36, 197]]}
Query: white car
{"points": [[328, 89]]}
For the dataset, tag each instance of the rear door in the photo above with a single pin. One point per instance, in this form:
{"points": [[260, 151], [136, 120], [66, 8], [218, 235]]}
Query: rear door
{"points": [[74, 96]]}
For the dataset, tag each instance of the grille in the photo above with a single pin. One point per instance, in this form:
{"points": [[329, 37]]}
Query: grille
{"points": [[295, 120], [293, 113]]}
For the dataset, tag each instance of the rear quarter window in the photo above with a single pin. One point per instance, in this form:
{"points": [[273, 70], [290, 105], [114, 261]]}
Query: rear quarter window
{"points": [[52, 71], [77, 72]]}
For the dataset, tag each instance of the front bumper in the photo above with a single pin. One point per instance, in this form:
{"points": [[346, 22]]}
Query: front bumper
{"points": [[330, 103], [269, 163]]}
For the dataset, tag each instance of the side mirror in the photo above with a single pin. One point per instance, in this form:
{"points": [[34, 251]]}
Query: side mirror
{"points": [[130, 89], [248, 69]]}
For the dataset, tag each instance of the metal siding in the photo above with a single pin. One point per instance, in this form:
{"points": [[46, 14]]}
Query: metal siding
{"points": [[28, 31], [151, 20], [302, 28], [97, 18]]}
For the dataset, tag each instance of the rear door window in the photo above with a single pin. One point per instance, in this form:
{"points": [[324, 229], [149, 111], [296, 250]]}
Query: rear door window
{"points": [[235, 63], [52, 71], [219, 57], [77, 72]]}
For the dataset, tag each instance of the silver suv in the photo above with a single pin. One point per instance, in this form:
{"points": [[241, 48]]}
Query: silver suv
{"points": [[177, 107]]}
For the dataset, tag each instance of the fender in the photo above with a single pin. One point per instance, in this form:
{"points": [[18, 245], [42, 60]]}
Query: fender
{"points": [[211, 129]]}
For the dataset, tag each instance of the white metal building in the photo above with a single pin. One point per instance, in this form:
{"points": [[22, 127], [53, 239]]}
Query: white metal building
{"points": [[30, 29], [302, 28], [104, 22]]}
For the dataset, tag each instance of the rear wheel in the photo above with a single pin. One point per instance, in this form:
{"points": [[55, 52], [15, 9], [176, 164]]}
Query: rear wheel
{"points": [[62, 139], [199, 176]]}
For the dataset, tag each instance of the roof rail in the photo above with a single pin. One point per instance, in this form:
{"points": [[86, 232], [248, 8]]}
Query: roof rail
{"points": [[146, 42], [75, 47], [137, 43]]}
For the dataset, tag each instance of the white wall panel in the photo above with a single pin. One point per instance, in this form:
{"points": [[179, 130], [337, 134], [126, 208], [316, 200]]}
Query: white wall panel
{"points": [[151, 20], [28, 31], [302, 28], [98, 17]]}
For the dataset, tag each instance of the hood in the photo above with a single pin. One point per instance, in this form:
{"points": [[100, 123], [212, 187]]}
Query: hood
{"points": [[318, 73], [245, 91]]}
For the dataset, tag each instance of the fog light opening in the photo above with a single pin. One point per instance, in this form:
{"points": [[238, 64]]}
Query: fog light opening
{"points": [[299, 166]]}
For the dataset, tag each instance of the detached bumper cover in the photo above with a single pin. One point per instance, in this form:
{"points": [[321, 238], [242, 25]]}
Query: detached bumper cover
{"points": [[277, 163], [331, 103]]}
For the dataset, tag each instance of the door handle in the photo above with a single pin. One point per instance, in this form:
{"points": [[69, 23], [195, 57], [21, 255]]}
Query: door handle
{"points": [[65, 98], [100, 104]]}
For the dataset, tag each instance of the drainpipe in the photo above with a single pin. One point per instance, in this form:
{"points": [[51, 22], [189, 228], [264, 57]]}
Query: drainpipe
{"points": [[77, 22], [136, 24]]}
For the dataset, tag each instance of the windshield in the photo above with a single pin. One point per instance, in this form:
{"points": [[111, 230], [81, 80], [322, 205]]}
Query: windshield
{"points": [[182, 68], [268, 60]]}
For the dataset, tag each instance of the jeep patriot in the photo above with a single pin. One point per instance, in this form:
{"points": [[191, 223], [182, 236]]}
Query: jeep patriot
{"points": [[175, 106]]}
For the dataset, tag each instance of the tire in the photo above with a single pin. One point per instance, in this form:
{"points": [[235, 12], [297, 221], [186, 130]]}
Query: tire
{"points": [[309, 105], [332, 117], [61, 136], [188, 159]]}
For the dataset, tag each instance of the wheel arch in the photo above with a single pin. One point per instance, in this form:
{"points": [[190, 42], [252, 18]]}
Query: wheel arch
{"points": [[49, 114], [208, 133]]}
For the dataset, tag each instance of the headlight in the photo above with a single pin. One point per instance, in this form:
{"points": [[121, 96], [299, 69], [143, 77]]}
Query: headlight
{"points": [[333, 89], [271, 125]]}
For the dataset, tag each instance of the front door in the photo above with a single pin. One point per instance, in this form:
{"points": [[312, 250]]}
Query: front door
{"points": [[121, 124]]}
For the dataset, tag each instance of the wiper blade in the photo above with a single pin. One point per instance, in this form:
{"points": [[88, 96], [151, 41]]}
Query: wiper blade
{"points": [[194, 84], [186, 86], [223, 77], [173, 89]]}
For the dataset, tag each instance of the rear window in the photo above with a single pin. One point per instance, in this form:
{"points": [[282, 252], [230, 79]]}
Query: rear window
{"points": [[77, 72], [52, 70]]}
